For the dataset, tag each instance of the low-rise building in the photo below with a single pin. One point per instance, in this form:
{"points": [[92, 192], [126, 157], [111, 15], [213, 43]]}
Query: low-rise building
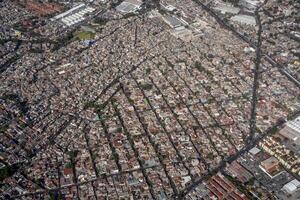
{"points": [[291, 187], [291, 131], [270, 166]]}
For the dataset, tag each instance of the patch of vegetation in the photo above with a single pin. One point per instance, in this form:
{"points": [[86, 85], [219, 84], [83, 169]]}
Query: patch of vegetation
{"points": [[3, 127], [115, 156], [128, 15], [210, 156], [113, 100], [163, 11], [146, 86], [89, 104], [68, 165], [7, 171], [55, 196], [273, 130], [200, 68], [23, 125], [180, 61], [130, 100], [4, 173], [36, 50], [73, 154], [241, 187], [84, 35], [148, 70], [169, 63], [251, 181], [94, 105]]}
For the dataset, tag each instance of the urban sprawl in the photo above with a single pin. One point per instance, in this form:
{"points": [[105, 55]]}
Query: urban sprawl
{"points": [[150, 99]]}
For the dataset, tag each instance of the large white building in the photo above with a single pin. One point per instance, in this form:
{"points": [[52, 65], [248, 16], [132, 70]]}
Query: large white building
{"points": [[129, 6], [68, 12], [292, 130], [250, 5], [244, 19], [74, 15], [226, 8], [291, 187]]}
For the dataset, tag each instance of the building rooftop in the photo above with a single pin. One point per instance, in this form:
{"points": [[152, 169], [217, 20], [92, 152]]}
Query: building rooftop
{"points": [[129, 6], [172, 21], [292, 186], [244, 19], [225, 8], [254, 151], [292, 130]]}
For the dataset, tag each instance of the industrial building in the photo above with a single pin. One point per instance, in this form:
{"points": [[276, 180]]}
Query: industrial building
{"points": [[226, 8], [291, 187], [244, 19], [291, 131], [172, 21], [254, 151], [270, 166], [68, 12], [74, 15], [129, 6], [249, 5]]}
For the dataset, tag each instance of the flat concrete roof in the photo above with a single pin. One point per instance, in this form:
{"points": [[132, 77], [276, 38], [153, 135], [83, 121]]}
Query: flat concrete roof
{"points": [[224, 8], [245, 19], [173, 21]]}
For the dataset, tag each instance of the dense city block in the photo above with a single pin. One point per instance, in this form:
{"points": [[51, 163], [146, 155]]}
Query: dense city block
{"points": [[149, 99]]}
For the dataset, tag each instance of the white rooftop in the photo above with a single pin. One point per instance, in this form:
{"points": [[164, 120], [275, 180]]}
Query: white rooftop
{"points": [[295, 124], [244, 19], [126, 7], [68, 12], [254, 150], [225, 8], [292, 130], [292, 186]]}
